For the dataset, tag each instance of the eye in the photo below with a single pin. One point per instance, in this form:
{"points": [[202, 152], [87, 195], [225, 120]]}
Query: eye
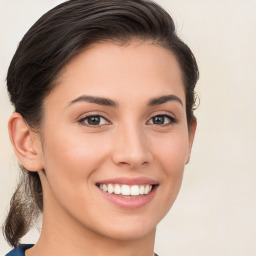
{"points": [[94, 120], [162, 120]]}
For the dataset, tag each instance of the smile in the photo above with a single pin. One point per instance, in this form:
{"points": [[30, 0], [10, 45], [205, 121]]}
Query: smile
{"points": [[126, 190], [128, 193]]}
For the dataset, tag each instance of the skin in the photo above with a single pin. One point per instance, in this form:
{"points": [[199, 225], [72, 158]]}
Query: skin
{"points": [[127, 143]]}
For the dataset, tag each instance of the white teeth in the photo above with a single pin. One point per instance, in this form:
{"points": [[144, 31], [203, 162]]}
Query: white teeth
{"points": [[110, 189], [135, 191], [117, 190], [126, 190], [141, 190], [146, 190], [104, 187]]}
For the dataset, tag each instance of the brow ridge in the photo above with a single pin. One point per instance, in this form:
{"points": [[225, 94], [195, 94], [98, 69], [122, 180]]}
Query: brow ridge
{"points": [[164, 99], [96, 100], [108, 102]]}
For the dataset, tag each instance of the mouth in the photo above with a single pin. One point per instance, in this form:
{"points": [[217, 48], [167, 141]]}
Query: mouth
{"points": [[128, 193], [125, 189]]}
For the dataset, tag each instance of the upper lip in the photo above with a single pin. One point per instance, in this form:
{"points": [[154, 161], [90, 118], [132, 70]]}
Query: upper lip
{"points": [[129, 181]]}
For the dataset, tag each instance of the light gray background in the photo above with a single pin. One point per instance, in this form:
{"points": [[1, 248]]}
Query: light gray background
{"points": [[215, 213]]}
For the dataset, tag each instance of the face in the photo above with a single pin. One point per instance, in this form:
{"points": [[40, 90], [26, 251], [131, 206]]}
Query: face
{"points": [[115, 140]]}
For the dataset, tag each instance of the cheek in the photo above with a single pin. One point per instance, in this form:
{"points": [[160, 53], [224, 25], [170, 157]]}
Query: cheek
{"points": [[171, 154], [70, 162], [172, 151], [70, 158]]}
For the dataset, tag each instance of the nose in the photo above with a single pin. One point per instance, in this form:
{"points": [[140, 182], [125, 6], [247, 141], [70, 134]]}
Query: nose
{"points": [[131, 148]]}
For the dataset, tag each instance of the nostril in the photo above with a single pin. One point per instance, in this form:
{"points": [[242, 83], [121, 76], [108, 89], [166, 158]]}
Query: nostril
{"points": [[131, 153], [133, 164]]}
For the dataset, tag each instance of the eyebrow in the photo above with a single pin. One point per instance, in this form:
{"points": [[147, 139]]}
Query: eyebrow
{"points": [[164, 99], [96, 100], [108, 102]]}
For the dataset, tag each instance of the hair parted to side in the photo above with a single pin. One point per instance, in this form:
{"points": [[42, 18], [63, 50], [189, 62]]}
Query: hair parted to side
{"points": [[51, 43]]}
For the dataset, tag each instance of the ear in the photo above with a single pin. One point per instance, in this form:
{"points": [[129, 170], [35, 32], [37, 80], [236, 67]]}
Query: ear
{"points": [[26, 143], [191, 134]]}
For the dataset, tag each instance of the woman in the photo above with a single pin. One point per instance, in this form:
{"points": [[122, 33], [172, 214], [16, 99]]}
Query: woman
{"points": [[103, 127]]}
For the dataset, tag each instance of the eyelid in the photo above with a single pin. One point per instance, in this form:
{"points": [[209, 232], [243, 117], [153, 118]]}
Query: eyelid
{"points": [[100, 113], [172, 118], [83, 117], [162, 113]]}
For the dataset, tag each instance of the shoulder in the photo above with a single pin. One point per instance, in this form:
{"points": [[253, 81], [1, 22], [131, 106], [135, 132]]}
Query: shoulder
{"points": [[19, 250]]}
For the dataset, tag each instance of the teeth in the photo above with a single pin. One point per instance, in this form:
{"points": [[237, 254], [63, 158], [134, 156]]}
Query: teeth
{"points": [[141, 190], [110, 189], [135, 191], [126, 190], [146, 190], [117, 190], [104, 187]]}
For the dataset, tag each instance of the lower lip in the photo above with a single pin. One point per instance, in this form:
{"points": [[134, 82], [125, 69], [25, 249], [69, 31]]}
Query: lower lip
{"points": [[130, 202]]}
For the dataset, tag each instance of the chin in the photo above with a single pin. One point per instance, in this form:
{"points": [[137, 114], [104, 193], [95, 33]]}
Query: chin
{"points": [[123, 232], [126, 228]]}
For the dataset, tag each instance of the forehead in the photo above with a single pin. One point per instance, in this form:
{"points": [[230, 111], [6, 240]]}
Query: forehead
{"points": [[110, 69]]}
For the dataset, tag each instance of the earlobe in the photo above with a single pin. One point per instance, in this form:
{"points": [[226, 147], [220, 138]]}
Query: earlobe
{"points": [[26, 143], [192, 131]]}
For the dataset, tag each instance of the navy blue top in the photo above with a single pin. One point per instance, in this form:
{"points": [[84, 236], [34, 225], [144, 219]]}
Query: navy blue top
{"points": [[20, 250]]}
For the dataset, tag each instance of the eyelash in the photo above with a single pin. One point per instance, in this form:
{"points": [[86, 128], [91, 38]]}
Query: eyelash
{"points": [[83, 120], [171, 121]]}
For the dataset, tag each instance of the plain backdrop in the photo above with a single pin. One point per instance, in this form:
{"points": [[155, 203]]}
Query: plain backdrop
{"points": [[215, 213]]}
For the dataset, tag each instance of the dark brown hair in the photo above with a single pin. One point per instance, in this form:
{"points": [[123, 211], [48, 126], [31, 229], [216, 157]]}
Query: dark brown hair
{"points": [[49, 45]]}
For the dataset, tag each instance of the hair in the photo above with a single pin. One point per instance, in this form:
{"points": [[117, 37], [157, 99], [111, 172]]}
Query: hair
{"points": [[51, 43]]}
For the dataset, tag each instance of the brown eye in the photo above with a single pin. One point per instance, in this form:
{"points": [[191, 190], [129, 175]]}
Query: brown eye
{"points": [[158, 119], [95, 120], [162, 120]]}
